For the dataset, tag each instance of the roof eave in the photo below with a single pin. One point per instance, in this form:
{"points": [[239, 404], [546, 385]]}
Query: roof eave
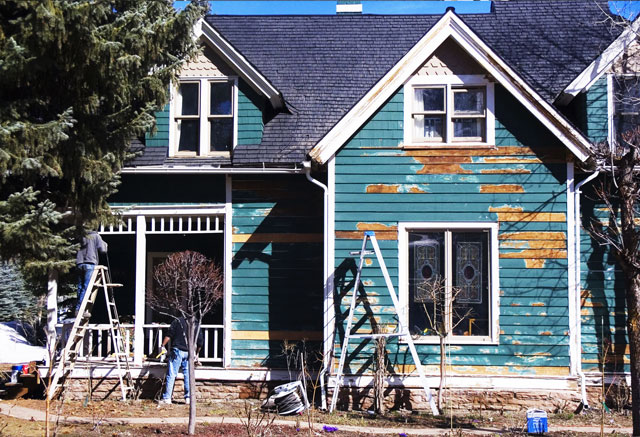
{"points": [[450, 25], [600, 65], [232, 56]]}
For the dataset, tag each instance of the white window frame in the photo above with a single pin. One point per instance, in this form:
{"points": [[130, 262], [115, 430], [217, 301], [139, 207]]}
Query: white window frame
{"points": [[449, 82], [204, 146], [494, 291]]}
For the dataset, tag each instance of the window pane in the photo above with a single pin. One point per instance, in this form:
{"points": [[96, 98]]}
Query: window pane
{"points": [[426, 273], [189, 135], [221, 134], [221, 98], [429, 99], [470, 283], [189, 96], [431, 128], [468, 128], [468, 101]]}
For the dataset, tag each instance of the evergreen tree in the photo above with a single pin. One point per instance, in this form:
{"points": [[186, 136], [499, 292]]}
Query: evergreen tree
{"points": [[15, 304], [78, 80]]}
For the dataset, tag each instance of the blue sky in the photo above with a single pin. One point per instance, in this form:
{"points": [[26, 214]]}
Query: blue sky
{"points": [[627, 8]]}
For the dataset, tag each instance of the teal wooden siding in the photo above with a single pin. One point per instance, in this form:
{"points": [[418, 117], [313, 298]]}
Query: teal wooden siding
{"points": [[596, 108], [250, 123], [277, 268], [603, 309], [520, 184], [159, 138], [250, 108]]}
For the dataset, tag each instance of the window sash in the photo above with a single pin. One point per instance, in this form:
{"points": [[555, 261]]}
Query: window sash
{"points": [[216, 118], [461, 120], [485, 328]]}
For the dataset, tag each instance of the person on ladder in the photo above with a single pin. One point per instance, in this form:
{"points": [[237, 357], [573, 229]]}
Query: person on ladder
{"points": [[178, 357], [86, 259]]}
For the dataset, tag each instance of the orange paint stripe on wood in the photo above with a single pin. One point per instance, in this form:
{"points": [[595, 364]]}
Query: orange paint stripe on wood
{"points": [[357, 235], [276, 335], [533, 244], [362, 226], [488, 151], [382, 188], [531, 217], [535, 253], [276, 238], [534, 263], [532, 236], [506, 188], [443, 169], [512, 160], [505, 171]]}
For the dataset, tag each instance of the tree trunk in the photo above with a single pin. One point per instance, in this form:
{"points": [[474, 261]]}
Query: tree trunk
{"points": [[192, 374], [442, 372], [633, 332], [629, 259]]}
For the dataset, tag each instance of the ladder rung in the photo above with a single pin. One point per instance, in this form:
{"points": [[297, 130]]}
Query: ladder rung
{"points": [[365, 253], [113, 284], [391, 334]]}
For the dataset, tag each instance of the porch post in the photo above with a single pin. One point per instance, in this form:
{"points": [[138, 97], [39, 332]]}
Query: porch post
{"points": [[141, 259], [52, 310]]}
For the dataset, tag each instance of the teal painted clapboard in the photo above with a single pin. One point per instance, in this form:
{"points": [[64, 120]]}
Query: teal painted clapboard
{"points": [[519, 184], [277, 268]]}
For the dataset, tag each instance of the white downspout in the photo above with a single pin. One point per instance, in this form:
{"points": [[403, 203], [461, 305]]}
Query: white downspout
{"points": [[325, 275], [577, 223]]}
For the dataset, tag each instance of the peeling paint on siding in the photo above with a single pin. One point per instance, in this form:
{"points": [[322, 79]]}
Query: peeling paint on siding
{"points": [[507, 188]]}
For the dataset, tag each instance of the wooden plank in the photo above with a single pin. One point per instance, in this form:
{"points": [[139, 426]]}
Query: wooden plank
{"points": [[276, 335]]}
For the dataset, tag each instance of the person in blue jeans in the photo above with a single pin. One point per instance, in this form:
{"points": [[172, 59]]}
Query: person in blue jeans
{"points": [[178, 357], [86, 259]]}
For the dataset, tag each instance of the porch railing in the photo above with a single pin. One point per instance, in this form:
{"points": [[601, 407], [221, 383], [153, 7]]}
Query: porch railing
{"points": [[97, 344]]}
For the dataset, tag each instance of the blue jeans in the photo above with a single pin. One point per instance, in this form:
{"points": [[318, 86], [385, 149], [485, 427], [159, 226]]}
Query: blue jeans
{"points": [[177, 359], [84, 277]]}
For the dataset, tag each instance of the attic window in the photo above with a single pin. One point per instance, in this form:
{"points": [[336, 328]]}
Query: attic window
{"points": [[448, 110], [204, 117]]}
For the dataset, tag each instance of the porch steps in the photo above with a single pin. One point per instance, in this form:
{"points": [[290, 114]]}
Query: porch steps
{"points": [[403, 331], [99, 281]]}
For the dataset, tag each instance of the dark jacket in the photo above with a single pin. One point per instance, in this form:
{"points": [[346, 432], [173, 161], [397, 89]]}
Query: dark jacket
{"points": [[178, 335]]}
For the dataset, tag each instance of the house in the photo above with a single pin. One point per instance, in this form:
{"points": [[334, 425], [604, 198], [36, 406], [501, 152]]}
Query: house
{"points": [[458, 139]]}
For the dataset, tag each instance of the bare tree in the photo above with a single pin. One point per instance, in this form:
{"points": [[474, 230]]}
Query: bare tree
{"points": [[188, 285], [442, 318]]}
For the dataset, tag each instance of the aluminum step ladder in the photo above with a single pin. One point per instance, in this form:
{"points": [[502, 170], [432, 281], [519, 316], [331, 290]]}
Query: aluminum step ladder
{"points": [[402, 330], [99, 280]]}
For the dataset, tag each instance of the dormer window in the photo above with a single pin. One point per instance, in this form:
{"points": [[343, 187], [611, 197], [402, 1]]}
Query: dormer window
{"points": [[204, 117], [448, 110]]}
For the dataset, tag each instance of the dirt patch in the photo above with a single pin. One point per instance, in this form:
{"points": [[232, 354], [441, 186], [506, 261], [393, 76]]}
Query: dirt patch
{"points": [[507, 421]]}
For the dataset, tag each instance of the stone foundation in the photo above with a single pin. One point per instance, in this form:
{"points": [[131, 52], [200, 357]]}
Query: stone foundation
{"points": [[150, 387]]}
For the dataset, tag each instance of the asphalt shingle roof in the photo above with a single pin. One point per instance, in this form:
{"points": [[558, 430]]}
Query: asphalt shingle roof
{"points": [[324, 64]]}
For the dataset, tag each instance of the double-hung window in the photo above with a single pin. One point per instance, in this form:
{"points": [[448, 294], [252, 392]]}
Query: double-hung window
{"points": [[449, 110], [448, 280], [204, 117]]}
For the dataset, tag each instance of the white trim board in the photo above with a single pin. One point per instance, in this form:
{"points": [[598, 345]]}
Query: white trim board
{"points": [[450, 26], [233, 57], [494, 382], [601, 64]]}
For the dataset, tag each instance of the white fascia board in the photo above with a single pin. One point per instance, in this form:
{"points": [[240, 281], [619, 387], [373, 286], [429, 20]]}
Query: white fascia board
{"points": [[208, 170], [450, 26], [601, 64], [253, 77]]}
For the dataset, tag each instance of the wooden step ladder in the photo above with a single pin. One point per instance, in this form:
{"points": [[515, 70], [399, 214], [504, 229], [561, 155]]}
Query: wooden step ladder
{"points": [[99, 281], [402, 330]]}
